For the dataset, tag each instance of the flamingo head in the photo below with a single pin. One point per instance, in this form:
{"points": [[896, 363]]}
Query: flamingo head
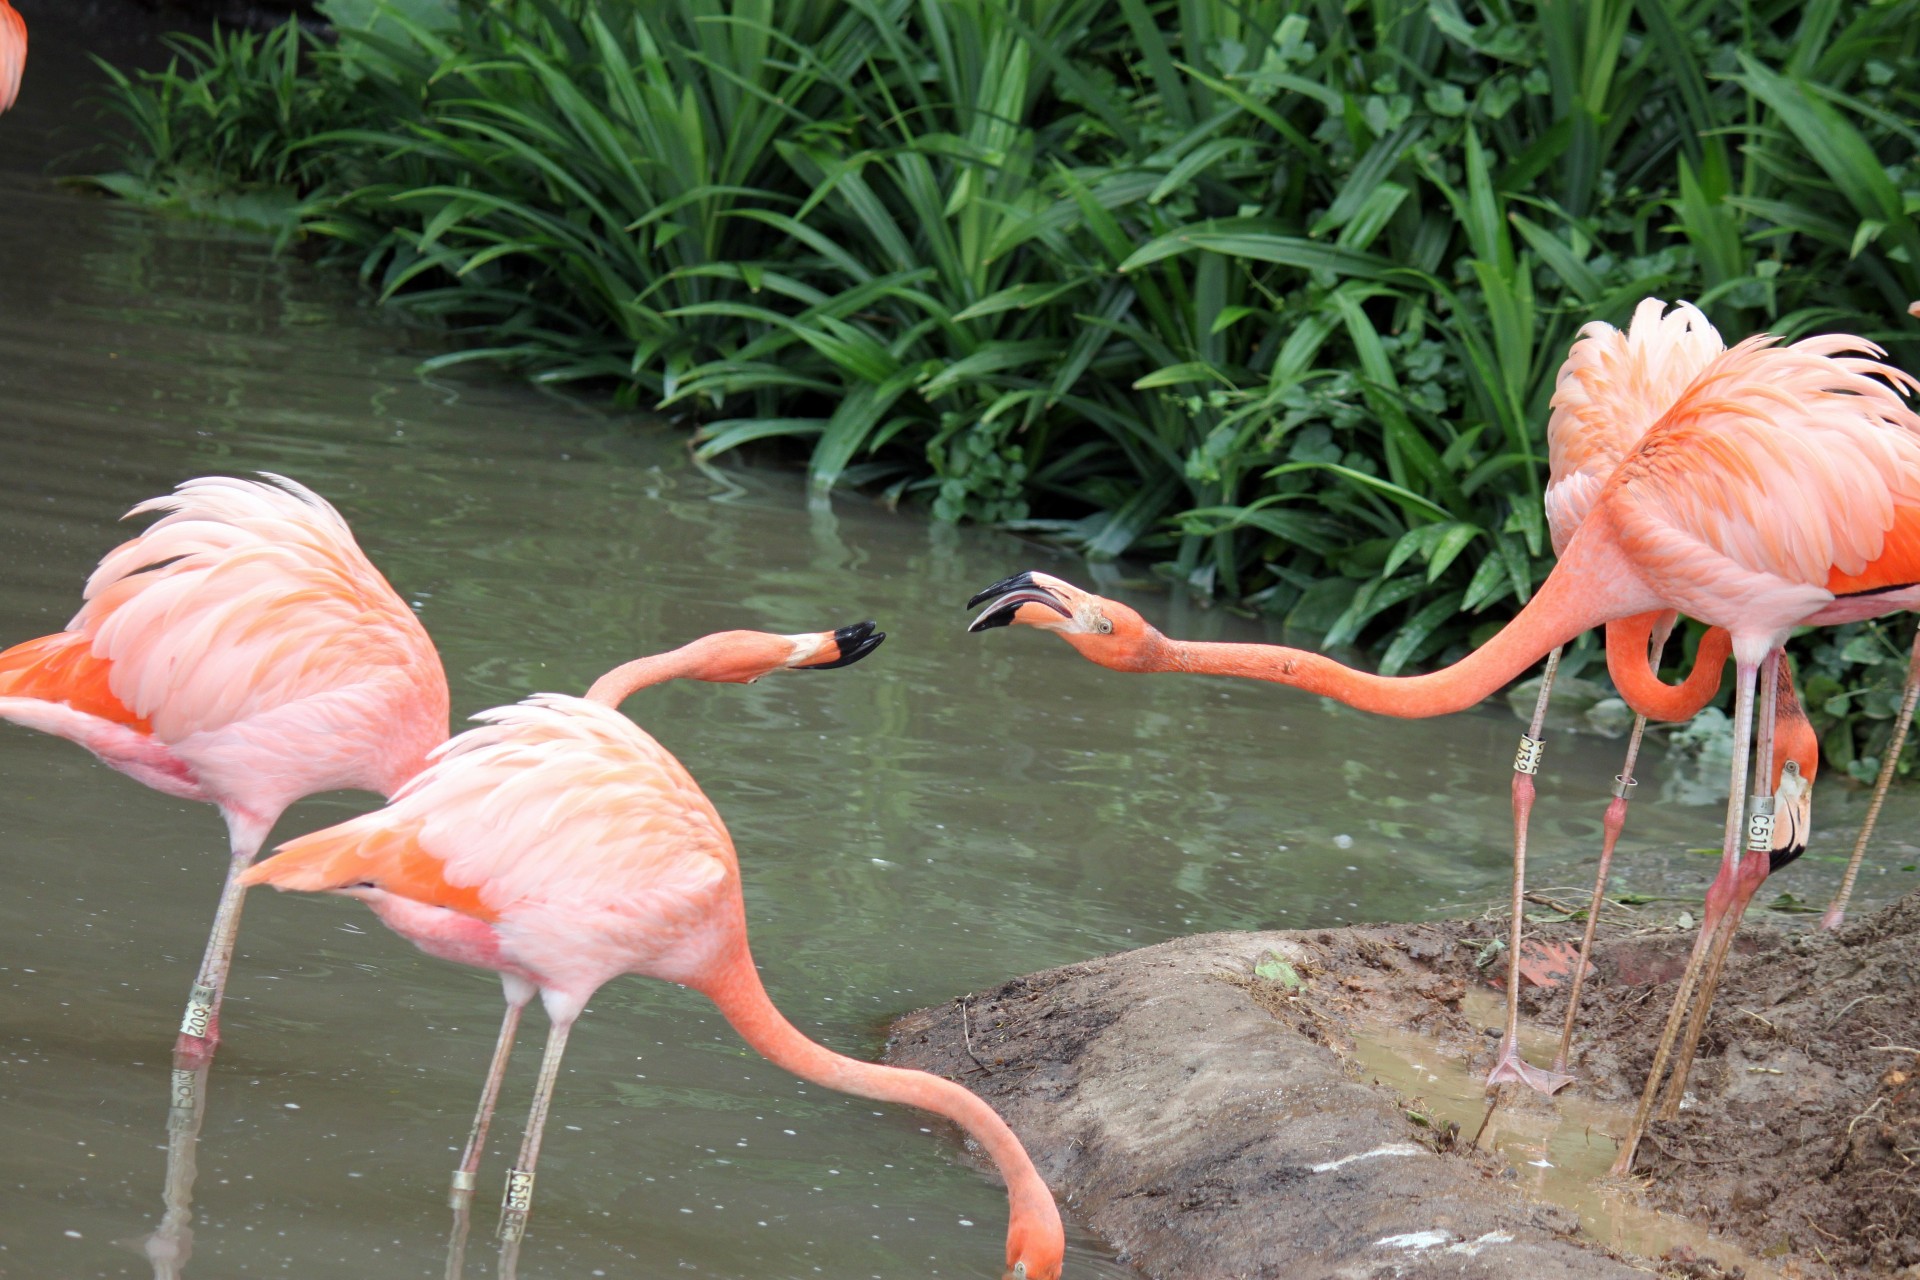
{"points": [[742, 657], [1104, 631], [1792, 814], [1036, 1243]]}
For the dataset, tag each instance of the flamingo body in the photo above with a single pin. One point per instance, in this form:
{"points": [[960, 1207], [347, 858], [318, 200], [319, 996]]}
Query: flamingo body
{"points": [[1612, 387], [243, 651], [13, 53], [572, 838], [240, 650], [562, 846]]}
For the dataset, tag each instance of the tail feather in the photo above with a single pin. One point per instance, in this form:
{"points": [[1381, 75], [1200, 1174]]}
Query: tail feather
{"points": [[365, 853], [63, 668]]}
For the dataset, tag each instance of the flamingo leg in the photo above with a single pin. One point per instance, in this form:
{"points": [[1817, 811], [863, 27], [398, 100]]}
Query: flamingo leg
{"points": [[1611, 826], [171, 1244], [200, 1025], [1719, 896], [1753, 874], [518, 1201], [1507, 1063], [1837, 909], [1616, 818], [1753, 871], [518, 992]]}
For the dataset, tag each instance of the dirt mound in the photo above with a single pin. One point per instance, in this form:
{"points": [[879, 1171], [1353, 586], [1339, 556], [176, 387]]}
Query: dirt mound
{"points": [[1158, 1096], [1198, 1104], [1805, 1130]]}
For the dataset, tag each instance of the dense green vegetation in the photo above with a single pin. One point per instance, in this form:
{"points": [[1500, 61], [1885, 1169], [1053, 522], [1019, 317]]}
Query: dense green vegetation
{"points": [[1270, 292]]}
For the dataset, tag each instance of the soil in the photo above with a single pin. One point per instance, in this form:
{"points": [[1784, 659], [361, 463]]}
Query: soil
{"points": [[1209, 1121]]}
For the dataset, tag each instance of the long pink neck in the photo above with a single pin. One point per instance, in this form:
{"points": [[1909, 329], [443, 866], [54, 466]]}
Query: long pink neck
{"points": [[1591, 584], [1631, 666], [691, 661], [734, 985]]}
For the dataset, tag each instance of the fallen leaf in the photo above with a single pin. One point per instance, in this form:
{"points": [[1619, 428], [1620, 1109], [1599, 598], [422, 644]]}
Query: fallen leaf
{"points": [[1274, 969]]}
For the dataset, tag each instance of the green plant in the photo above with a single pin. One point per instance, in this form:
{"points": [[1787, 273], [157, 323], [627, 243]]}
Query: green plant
{"points": [[1270, 292]]}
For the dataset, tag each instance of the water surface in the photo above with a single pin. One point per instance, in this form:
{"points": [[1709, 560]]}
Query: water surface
{"points": [[956, 810]]}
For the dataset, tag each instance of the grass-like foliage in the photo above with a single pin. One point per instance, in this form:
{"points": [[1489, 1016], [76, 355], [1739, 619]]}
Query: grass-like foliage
{"points": [[1271, 292]]}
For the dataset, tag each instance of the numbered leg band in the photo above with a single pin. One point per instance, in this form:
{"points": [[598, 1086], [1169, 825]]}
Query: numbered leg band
{"points": [[182, 1090], [1527, 758], [199, 1018], [1760, 826], [464, 1181], [519, 1197]]}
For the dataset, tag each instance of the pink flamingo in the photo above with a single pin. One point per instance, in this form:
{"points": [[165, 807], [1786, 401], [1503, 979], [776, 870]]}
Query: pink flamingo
{"points": [[13, 53], [1611, 389], [240, 650], [561, 846], [1783, 487]]}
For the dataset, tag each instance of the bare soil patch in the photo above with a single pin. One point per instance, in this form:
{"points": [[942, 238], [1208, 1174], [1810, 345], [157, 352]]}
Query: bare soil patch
{"points": [[1209, 1121]]}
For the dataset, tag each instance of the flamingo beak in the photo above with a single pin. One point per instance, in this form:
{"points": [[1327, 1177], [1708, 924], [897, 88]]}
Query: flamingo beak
{"points": [[1007, 595], [853, 642]]}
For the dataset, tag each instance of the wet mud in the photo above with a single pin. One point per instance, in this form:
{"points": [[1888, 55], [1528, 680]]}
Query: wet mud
{"points": [[1304, 1104]]}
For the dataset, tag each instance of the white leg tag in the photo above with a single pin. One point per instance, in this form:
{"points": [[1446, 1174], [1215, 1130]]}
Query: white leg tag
{"points": [[199, 1017]]}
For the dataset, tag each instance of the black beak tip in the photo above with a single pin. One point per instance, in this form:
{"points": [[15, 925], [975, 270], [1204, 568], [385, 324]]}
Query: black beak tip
{"points": [[1000, 588], [992, 618], [855, 642]]}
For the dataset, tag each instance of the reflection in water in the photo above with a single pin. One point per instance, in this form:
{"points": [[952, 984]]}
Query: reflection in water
{"points": [[171, 1244], [961, 813]]}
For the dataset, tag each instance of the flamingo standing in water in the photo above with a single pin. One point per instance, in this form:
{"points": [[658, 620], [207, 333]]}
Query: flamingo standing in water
{"points": [[1782, 488], [561, 846], [13, 53], [243, 651]]}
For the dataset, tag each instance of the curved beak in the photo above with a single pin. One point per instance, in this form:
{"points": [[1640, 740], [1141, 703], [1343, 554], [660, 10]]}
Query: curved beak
{"points": [[852, 643], [1006, 597]]}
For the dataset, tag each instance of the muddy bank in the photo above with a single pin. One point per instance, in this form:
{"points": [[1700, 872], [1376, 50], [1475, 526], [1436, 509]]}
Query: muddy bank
{"points": [[1209, 1121]]}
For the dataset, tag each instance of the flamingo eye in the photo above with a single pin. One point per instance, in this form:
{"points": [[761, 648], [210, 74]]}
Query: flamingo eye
{"points": [[1103, 624]]}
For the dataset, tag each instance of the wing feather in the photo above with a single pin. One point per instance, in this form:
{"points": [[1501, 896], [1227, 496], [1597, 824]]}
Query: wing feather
{"points": [[243, 597], [1785, 462], [554, 804]]}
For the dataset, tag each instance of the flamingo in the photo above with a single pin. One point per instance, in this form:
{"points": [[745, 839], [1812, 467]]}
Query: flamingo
{"points": [[240, 650], [561, 846], [13, 53], [171, 1245], [1781, 488], [1613, 386], [1610, 389]]}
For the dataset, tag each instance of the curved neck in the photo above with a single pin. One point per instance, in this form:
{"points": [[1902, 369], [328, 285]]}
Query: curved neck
{"points": [[733, 984], [1630, 664], [688, 662], [1793, 735], [1591, 584]]}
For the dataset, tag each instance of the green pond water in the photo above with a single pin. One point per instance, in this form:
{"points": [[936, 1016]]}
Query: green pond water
{"points": [[954, 811]]}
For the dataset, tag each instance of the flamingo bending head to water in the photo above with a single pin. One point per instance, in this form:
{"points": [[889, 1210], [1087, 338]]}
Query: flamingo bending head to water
{"points": [[561, 846], [240, 650]]}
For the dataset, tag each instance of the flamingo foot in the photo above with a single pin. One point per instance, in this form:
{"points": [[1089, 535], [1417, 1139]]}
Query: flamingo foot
{"points": [[1509, 1066], [1835, 917]]}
